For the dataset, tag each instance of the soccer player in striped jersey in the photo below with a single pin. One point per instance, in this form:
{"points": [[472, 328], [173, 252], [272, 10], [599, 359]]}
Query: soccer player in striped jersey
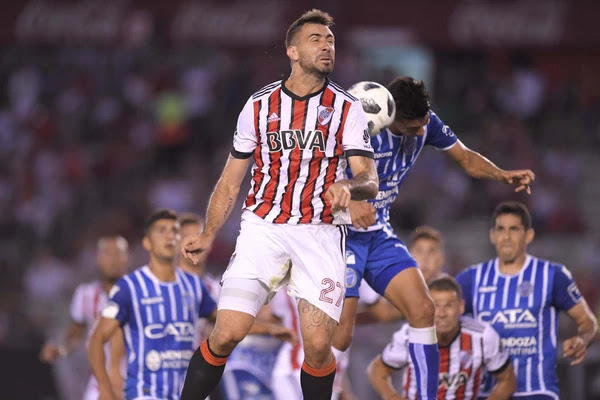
{"points": [[383, 259], [88, 301], [156, 306], [467, 349], [521, 295], [301, 133]]}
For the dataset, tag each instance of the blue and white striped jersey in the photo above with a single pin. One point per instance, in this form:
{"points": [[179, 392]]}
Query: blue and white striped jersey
{"points": [[158, 320], [395, 155], [523, 309]]}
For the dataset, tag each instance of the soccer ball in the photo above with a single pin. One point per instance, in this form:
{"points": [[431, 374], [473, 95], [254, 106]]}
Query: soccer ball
{"points": [[378, 104]]}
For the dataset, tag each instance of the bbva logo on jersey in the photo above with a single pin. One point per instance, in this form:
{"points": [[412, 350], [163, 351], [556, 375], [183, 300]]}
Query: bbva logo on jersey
{"points": [[289, 139], [448, 381]]}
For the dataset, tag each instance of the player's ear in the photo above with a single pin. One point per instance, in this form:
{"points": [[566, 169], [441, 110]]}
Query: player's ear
{"points": [[462, 307], [146, 243], [529, 235], [292, 53], [492, 236]]}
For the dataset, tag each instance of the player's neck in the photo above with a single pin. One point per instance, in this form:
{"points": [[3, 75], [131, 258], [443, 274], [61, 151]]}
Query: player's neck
{"points": [[512, 266], [446, 339], [164, 271], [301, 84]]}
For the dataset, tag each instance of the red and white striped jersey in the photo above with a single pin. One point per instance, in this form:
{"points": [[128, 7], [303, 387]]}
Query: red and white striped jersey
{"points": [[87, 303], [475, 349], [300, 147]]}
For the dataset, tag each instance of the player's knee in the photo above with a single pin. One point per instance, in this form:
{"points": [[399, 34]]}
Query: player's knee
{"points": [[317, 344], [423, 315], [223, 341]]}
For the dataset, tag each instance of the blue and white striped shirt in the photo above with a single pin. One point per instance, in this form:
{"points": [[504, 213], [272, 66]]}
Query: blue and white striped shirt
{"points": [[158, 320], [394, 157], [523, 309]]}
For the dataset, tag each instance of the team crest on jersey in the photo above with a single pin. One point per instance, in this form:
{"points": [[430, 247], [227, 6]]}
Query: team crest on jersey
{"points": [[324, 114], [409, 145], [525, 289], [466, 359], [351, 277]]}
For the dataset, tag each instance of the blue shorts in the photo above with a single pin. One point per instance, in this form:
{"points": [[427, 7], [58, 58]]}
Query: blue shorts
{"points": [[377, 256]]}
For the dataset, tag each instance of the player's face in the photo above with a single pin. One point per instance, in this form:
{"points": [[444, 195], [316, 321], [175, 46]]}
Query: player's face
{"points": [[448, 309], [163, 239], [314, 50], [429, 256], [510, 237], [410, 127], [112, 258]]}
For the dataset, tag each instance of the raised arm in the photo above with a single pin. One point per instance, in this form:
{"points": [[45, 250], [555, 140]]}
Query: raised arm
{"points": [[364, 185], [587, 326], [220, 205], [102, 332], [477, 166]]}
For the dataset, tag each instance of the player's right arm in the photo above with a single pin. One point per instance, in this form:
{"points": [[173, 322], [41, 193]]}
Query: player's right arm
{"points": [[220, 205], [394, 357], [52, 351], [115, 314], [75, 333], [102, 332], [224, 195], [380, 376]]}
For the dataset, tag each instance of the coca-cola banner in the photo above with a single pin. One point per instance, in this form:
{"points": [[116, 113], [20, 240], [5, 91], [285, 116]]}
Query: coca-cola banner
{"points": [[450, 23]]}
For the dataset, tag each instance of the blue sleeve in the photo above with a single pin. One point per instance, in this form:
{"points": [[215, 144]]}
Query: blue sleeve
{"points": [[118, 305], [207, 304], [565, 293], [439, 135], [465, 280]]}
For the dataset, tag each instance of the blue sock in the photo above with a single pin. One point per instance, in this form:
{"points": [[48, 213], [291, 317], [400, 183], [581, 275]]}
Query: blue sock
{"points": [[425, 356]]}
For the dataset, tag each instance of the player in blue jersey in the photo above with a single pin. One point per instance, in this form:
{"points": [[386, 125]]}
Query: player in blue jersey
{"points": [[157, 307], [379, 256], [521, 295]]}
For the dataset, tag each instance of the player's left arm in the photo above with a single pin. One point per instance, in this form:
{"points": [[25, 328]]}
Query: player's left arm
{"points": [[477, 166], [567, 297], [587, 326], [356, 143]]}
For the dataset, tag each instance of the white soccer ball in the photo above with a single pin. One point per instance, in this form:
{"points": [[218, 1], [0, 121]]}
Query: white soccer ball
{"points": [[377, 103]]}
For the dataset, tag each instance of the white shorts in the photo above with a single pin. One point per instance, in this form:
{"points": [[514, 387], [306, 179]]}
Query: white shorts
{"points": [[309, 258]]}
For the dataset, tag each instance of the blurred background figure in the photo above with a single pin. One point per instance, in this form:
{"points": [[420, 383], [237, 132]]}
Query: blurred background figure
{"points": [[88, 301], [112, 109]]}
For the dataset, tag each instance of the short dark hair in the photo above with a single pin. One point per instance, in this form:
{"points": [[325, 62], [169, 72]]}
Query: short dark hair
{"points": [[190, 218], [513, 207], [157, 215], [411, 98], [313, 16], [446, 284], [426, 232]]}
